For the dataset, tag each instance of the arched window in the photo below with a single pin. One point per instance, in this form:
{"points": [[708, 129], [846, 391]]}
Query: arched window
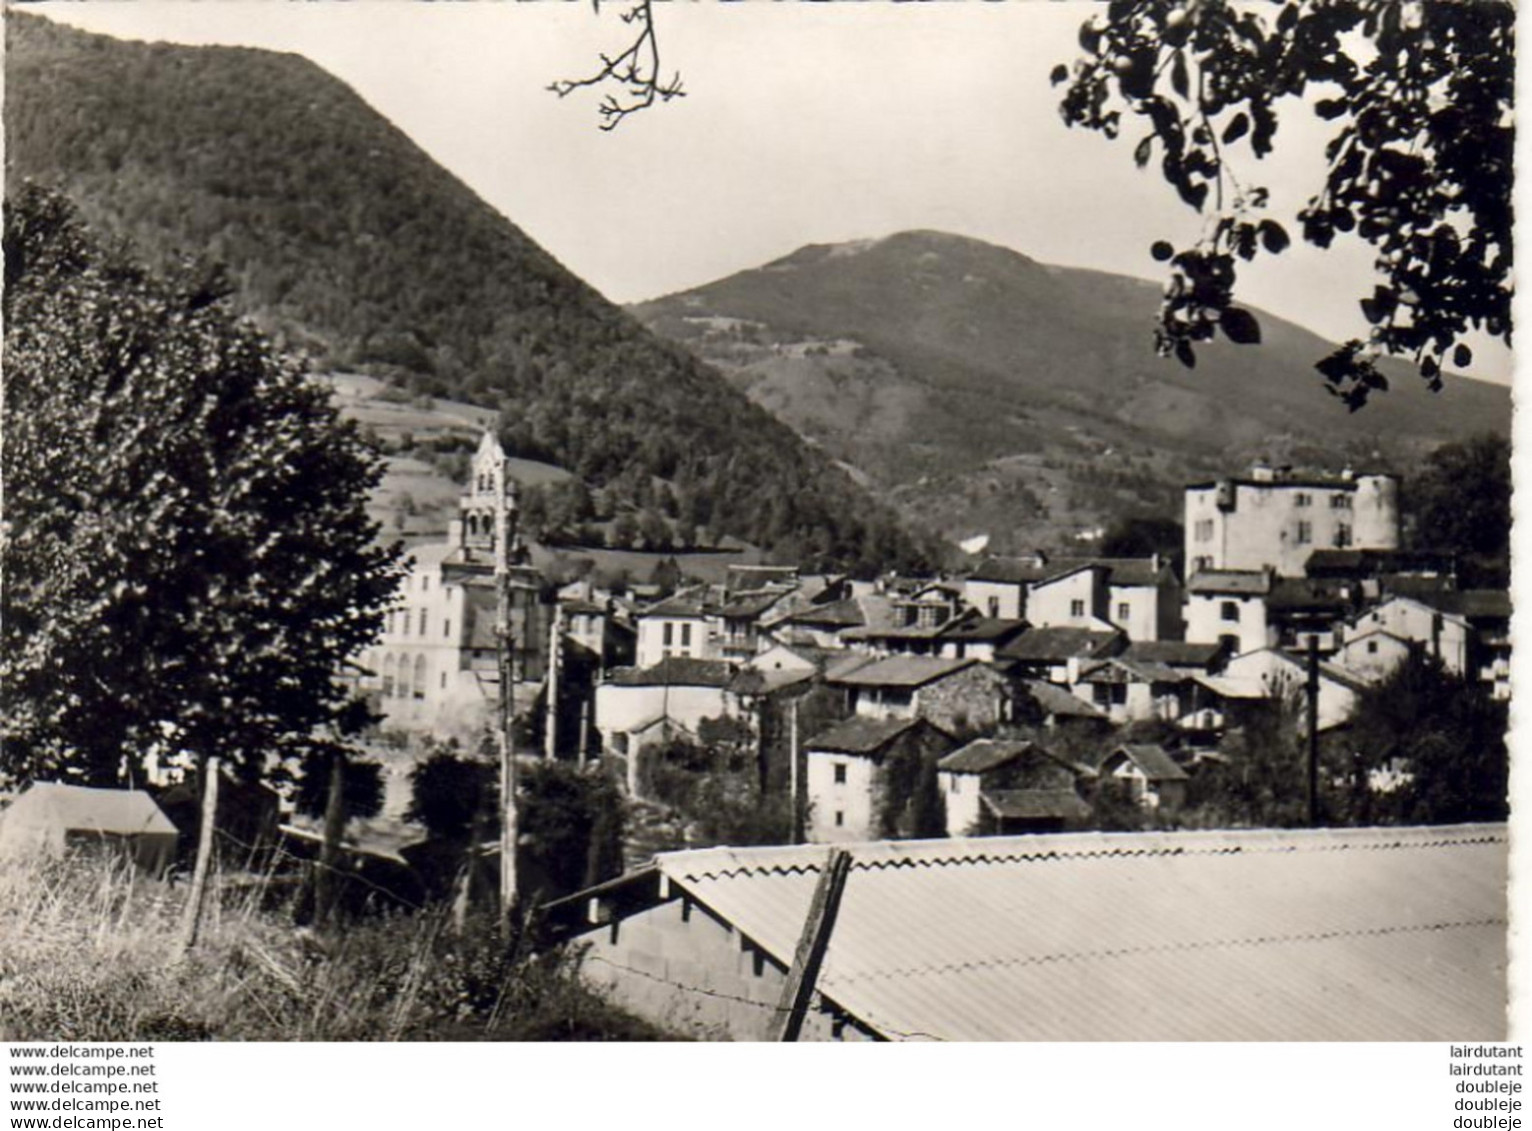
{"points": [[388, 676], [420, 677], [403, 685], [473, 526]]}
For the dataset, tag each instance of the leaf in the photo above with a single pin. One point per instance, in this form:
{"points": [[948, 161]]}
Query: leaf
{"points": [[1274, 237], [1161, 250], [1330, 108], [1142, 152], [1178, 77], [1185, 355], [1462, 356], [1236, 129], [1060, 73], [1240, 326]]}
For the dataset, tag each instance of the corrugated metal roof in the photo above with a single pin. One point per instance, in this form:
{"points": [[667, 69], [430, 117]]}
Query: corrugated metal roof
{"points": [[1314, 935]]}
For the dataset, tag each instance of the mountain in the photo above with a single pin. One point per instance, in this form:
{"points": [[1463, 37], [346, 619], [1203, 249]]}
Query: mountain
{"points": [[342, 238], [985, 392]]}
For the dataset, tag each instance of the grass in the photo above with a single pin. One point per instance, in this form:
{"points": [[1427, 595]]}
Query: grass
{"points": [[89, 955]]}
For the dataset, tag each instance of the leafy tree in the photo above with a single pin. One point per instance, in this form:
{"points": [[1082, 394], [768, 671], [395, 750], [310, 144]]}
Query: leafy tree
{"points": [[187, 560], [1419, 164], [447, 791], [1263, 783], [1140, 536], [1448, 736], [362, 795], [572, 822], [1461, 499]]}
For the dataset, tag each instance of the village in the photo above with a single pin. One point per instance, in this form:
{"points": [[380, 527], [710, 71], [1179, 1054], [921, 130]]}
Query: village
{"points": [[1033, 703], [978, 673], [417, 628]]}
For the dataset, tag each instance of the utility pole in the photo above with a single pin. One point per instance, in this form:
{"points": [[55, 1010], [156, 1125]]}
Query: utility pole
{"points": [[508, 831], [1313, 710], [798, 990], [793, 775], [191, 914], [555, 654]]}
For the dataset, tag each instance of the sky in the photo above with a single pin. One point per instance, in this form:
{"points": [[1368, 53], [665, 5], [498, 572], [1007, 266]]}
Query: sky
{"points": [[801, 124]]}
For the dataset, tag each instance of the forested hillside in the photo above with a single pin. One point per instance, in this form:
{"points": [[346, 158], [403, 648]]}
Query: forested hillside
{"points": [[343, 238], [980, 390]]}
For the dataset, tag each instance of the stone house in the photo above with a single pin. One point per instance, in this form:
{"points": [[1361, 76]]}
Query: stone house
{"points": [[998, 786], [860, 772], [954, 694], [1055, 655]]}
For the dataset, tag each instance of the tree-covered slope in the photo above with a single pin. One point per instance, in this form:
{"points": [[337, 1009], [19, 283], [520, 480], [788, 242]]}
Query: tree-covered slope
{"points": [[342, 237], [1023, 398]]}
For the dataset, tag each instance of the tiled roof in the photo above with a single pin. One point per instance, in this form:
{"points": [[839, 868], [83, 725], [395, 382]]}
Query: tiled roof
{"points": [[1301, 593], [1011, 571], [837, 614], [901, 671], [687, 603], [1255, 582], [982, 629], [861, 736], [1055, 700], [1472, 604], [1312, 935], [985, 754], [1119, 669], [675, 671], [1034, 804], [1152, 760], [1060, 644], [1120, 571], [1176, 653], [749, 605]]}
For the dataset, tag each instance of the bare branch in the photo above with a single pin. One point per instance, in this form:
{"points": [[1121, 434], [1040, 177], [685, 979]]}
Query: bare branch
{"points": [[635, 73]]}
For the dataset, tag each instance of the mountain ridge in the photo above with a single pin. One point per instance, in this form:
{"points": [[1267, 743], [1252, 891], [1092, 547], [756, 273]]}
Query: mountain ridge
{"points": [[1002, 384], [345, 240]]}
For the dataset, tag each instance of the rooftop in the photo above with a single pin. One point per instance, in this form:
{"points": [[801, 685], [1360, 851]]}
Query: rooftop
{"points": [[1151, 758], [985, 754], [1307, 935], [861, 735], [1060, 644], [1176, 653], [1055, 700], [1034, 804], [1245, 581], [901, 671], [675, 671]]}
